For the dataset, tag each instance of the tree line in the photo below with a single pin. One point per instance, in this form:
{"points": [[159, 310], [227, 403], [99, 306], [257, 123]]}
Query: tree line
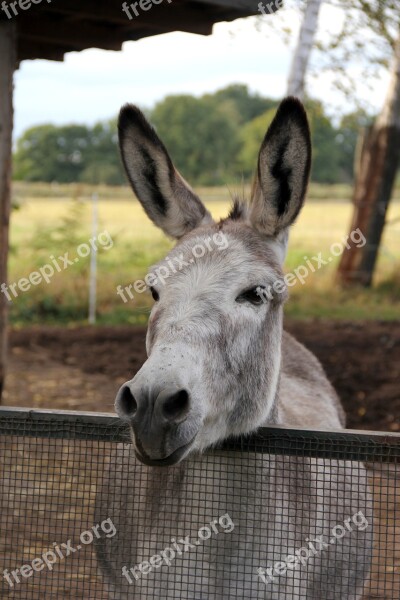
{"points": [[213, 140]]}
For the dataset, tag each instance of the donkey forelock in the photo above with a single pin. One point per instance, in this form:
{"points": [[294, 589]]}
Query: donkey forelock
{"points": [[214, 343]]}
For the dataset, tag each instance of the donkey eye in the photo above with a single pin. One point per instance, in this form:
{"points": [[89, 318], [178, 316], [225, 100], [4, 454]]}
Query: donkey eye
{"points": [[155, 294], [253, 296]]}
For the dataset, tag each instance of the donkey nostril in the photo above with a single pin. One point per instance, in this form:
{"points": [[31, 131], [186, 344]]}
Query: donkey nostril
{"points": [[126, 402], [175, 407]]}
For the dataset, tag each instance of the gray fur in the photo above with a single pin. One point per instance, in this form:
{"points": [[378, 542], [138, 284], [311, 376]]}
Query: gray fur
{"points": [[241, 371]]}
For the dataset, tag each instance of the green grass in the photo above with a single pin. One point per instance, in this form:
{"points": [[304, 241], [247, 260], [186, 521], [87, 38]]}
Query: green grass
{"points": [[40, 228]]}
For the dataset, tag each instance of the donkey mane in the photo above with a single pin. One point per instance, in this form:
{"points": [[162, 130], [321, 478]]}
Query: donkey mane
{"points": [[238, 210]]}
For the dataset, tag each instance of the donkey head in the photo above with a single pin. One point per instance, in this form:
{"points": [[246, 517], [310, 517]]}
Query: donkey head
{"points": [[215, 330]]}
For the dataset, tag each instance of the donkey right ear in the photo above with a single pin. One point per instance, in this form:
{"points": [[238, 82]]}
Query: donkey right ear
{"points": [[165, 196]]}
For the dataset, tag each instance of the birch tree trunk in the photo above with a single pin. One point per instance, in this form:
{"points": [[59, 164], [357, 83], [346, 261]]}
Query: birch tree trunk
{"points": [[8, 61], [374, 184], [302, 53]]}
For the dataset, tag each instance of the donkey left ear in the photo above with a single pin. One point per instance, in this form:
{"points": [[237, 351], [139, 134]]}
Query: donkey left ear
{"points": [[284, 166], [165, 196]]}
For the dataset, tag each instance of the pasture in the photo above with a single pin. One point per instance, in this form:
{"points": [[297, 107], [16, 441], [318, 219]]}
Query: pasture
{"points": [[52, 220]]}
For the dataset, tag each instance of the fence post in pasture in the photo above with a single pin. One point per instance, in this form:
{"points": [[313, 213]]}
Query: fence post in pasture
{"points": [[8, 63], [93, 261]]}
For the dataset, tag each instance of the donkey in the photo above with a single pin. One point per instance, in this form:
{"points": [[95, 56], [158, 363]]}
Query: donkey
{"points": [[219, 365]]}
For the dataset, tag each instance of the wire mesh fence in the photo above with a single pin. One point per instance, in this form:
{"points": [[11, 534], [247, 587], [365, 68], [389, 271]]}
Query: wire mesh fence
{"points": [[283, 514]]}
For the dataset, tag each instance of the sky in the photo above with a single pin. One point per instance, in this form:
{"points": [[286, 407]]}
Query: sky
{"points": [[92, 85]]}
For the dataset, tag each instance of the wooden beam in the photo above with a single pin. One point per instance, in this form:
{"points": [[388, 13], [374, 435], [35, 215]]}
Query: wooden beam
{"points": [[250, 7], [8, 61], [50, 29], [28, 50], [177, 16]]}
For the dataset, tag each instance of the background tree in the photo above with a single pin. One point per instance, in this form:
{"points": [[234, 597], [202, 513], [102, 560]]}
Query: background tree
{"points": [[69, 153], [251, 137], [367, 38], [355, 56], [50, 153], [214, 140], [348, 136], [201, 134], [375, 181], [247, 105], [328, 142], [301, 56], [102, 164]]}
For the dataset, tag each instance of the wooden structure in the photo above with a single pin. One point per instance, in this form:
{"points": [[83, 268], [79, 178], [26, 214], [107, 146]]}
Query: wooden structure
{"points": [[49, 29]]}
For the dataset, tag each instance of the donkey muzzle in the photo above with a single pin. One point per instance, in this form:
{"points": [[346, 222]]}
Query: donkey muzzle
{"points": [[157, 419]]}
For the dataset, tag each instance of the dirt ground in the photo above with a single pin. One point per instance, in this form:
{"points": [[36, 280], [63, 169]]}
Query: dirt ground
{"points": [[82, 368]]}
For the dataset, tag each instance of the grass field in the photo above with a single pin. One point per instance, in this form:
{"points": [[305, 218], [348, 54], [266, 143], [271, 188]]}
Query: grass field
{"points": [[52, 220]]}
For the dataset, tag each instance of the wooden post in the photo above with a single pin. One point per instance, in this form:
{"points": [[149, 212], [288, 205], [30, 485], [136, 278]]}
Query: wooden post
{"points": [[374, 183], [93, 261], [8, 62]]}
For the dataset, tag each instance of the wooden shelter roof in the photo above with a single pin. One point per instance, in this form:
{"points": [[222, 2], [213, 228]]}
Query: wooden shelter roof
{"points": [[54, 27]]}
